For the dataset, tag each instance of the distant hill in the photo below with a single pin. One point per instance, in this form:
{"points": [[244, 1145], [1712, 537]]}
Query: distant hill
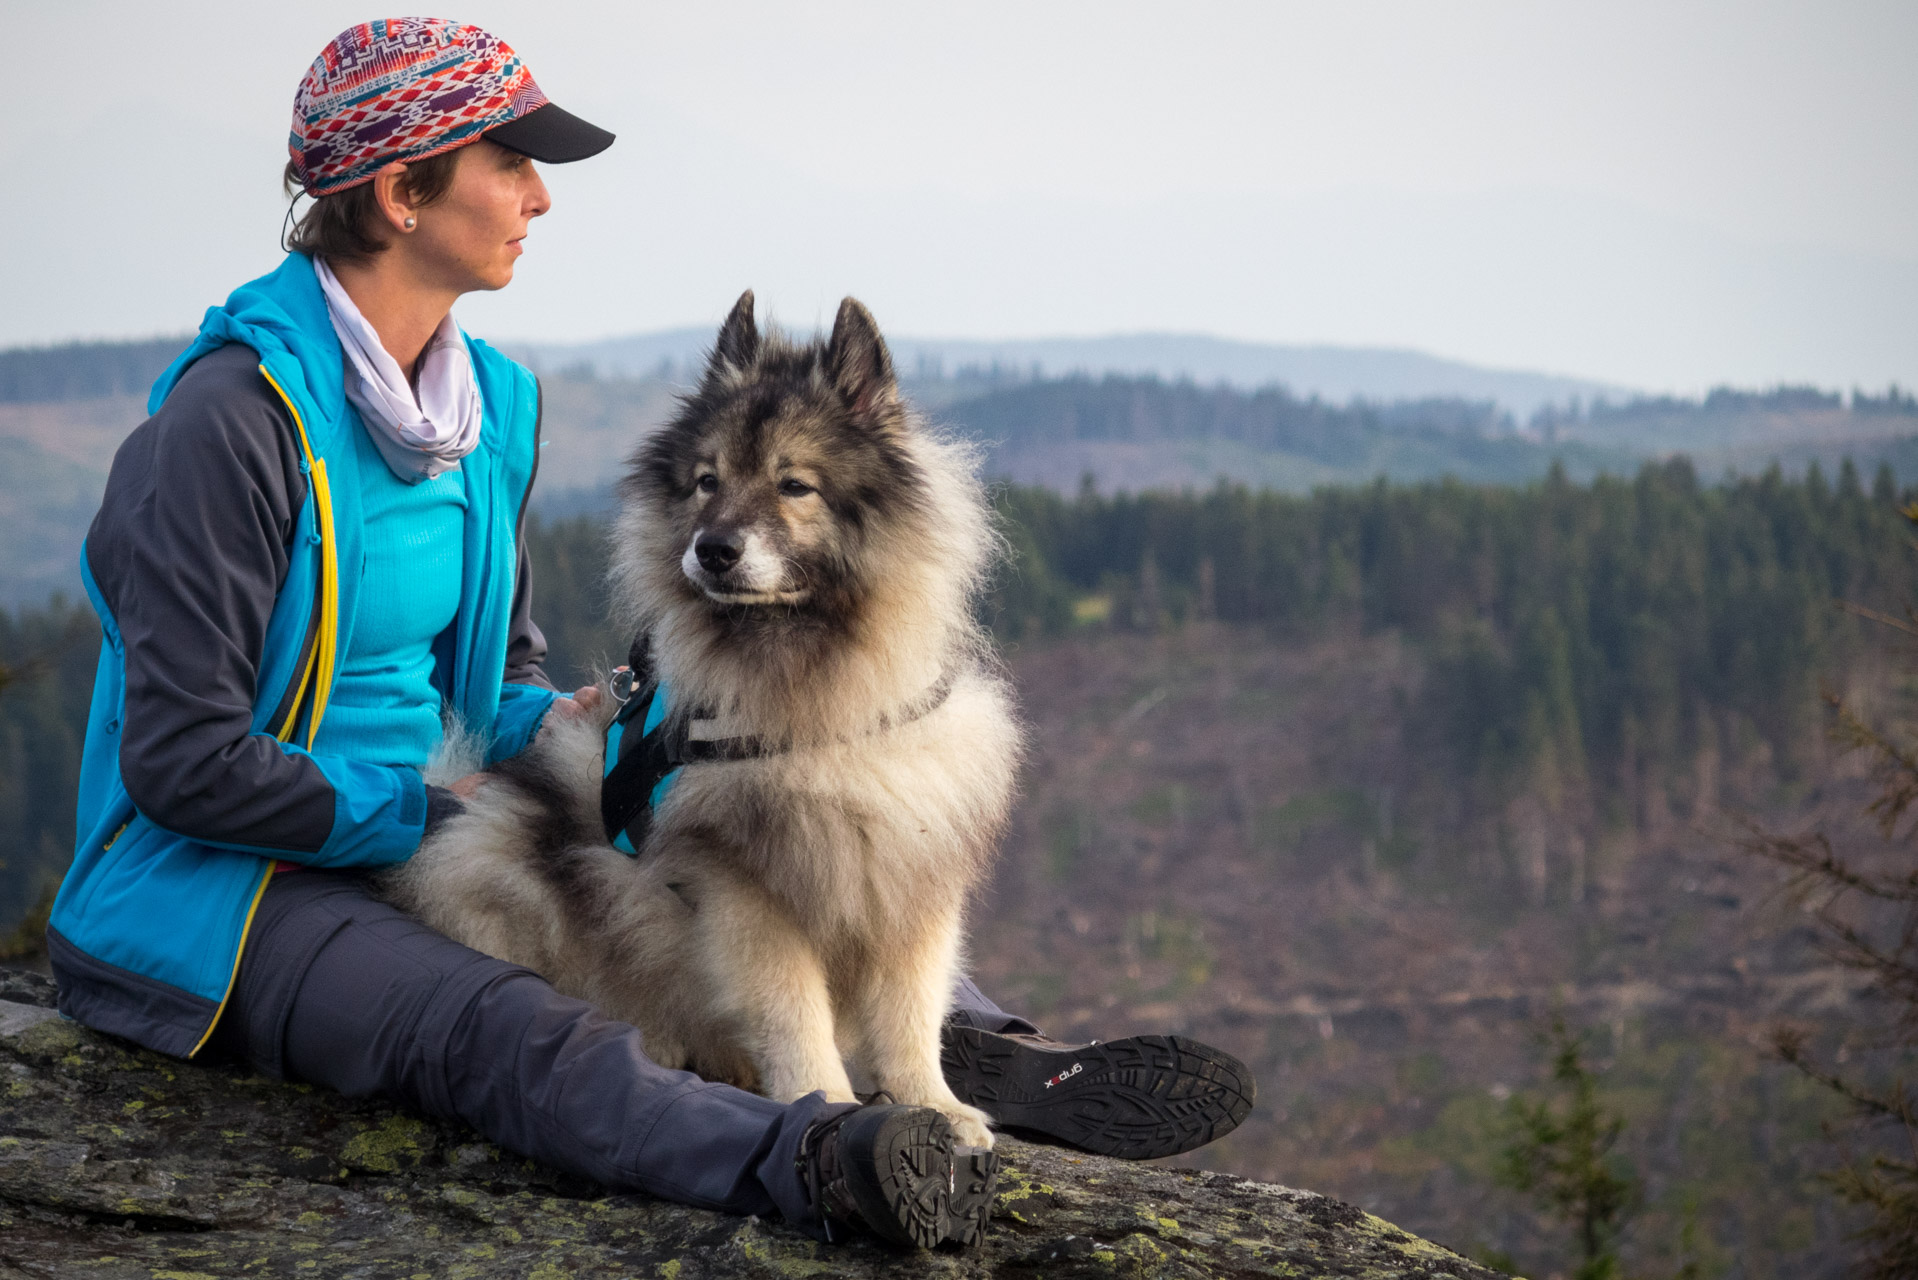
{"points": [[46, 504], [83, 370], [53, 467], [1337, 374], [1744, 430], [64, 410], [669, 354], [1139, 434]]}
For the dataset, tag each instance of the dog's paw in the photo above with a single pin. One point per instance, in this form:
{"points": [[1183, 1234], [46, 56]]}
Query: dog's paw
{"points": [[971, 1127]]}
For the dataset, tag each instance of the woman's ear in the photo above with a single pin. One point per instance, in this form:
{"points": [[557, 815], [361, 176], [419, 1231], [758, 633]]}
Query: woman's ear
{"points": [[398, 209]]}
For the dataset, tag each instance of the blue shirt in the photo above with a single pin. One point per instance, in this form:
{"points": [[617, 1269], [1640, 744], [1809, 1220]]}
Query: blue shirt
{"points": [[385, 709]]}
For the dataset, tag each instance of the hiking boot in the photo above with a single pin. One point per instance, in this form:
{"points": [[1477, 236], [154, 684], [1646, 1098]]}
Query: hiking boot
{"points": [[894, 1171], [975, 1180], [1137, 1098]]}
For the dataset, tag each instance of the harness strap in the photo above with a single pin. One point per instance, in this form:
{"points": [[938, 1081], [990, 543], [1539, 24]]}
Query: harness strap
{"points": [[634, 770], [645, 745], [637, 761]]}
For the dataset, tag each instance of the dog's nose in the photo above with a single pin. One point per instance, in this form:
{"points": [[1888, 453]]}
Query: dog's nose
{"points": [[719, 552]]}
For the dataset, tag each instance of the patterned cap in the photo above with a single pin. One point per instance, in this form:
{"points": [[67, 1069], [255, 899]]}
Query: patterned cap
{"points": [[402, 89]]}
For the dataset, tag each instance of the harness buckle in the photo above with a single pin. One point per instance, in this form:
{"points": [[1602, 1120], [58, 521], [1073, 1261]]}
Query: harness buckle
{"points": [[622, 685]]}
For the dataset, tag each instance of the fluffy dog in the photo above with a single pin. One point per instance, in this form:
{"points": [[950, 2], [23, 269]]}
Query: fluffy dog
{"points": [[802, 556]]}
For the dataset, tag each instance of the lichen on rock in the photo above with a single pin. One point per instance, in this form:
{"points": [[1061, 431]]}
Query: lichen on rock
{"points": [[118, 1163]]}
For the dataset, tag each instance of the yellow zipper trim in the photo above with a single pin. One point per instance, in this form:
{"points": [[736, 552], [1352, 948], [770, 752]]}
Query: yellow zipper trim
{"points": [[326, 651], [329, 602], [234, 977], [319, 664]]}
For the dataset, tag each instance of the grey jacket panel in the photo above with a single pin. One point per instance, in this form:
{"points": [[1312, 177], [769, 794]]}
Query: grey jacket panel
{"points": [[146, 1010], [525, 643], [189, 551]]}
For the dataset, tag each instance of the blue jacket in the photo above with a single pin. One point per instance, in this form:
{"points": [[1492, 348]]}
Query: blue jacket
{"points": [[147, 931]]}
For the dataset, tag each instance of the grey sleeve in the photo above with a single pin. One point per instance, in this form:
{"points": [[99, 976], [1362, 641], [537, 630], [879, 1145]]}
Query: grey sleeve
{"points": [[525, 644], [189, 552]]}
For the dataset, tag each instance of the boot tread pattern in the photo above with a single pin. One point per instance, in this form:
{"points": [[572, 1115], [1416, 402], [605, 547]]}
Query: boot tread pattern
{"points": [[1138, 1098], [918, 1189]]}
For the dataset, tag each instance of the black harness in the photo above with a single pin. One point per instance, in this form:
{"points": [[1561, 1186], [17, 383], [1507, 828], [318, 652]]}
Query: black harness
{"points": [[639, 759]]}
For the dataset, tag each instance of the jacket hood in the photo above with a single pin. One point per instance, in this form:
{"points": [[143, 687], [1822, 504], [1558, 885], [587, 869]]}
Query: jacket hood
{"points": [[281, 314]]}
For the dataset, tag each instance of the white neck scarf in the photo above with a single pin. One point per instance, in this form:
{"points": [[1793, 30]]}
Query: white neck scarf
{"points": [[419, 436]]}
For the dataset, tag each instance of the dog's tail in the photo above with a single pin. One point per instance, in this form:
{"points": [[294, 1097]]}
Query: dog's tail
{"points": [[461, 751]]}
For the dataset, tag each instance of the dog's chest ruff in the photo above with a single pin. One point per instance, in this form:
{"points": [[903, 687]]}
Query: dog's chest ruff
{"points": [[647, 746]]}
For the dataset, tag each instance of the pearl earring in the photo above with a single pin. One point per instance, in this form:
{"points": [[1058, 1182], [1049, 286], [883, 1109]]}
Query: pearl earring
{"points": [[408, 224]]}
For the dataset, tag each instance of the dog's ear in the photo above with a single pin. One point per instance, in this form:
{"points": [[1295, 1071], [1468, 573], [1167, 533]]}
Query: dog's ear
{"points": [[857, 360], [738, 344]]}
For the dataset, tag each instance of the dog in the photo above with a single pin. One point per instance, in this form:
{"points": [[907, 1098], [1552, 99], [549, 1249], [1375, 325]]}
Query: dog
{"points": [[801, 556]]}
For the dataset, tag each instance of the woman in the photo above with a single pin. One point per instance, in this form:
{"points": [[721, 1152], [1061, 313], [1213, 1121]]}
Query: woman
{"points": [[308, 556]]}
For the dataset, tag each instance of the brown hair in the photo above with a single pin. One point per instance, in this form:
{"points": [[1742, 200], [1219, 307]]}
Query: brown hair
{"points": [[346, 223]]}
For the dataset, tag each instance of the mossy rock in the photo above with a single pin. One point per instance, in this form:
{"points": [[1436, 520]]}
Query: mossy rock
{"points": [[118, 1163]]}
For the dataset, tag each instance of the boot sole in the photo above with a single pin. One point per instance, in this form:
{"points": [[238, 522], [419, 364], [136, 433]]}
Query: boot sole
{"points": [[1138, 1098], [975, 1182], [914, 1188]]}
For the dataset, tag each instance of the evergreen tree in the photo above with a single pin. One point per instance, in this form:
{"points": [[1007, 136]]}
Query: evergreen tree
{"points": [[1865, 901], [1560, 1154], [49, 655]]}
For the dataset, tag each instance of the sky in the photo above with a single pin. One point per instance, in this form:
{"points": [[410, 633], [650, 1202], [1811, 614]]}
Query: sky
{"points": [[1661, 195]]}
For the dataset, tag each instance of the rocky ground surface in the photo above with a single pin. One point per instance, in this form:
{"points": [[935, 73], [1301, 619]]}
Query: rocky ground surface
{"points": [[116, 1163]]}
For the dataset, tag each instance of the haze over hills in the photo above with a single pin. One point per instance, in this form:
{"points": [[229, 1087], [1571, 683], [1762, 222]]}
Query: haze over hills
{"points": [[1136, 413], [1336, 374], [1330, 373]]}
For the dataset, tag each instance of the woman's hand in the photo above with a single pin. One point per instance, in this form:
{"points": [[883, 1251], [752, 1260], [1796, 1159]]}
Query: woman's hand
{"points": [[468, 787], [579, 707], [581, 704]]}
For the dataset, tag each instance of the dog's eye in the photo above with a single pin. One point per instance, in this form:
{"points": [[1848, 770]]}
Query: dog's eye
{"points": [[795, 488], [708, 483]]}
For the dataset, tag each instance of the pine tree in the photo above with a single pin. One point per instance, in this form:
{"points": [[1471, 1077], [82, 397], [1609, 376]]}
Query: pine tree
{"points": [[1865, 901], [1560, 1154]]}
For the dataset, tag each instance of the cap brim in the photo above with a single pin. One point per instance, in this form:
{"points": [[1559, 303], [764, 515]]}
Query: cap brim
{"points": [[551, 135]]}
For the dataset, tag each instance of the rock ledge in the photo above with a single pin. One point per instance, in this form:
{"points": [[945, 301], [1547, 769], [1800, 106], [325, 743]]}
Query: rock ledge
{"points": [[115, 1162]]}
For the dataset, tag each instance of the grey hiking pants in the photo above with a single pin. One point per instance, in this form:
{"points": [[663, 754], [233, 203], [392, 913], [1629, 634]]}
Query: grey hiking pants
{"points": [[337, 988]]}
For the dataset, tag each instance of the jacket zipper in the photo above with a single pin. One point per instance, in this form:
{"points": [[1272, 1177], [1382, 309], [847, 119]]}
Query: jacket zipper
{"points": [[317, 674]]}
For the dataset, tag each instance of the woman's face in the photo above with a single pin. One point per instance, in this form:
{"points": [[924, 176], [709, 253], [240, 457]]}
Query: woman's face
{"points": [[470, 238]]}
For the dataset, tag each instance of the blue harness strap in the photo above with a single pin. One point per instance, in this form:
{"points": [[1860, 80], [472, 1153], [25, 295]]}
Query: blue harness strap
{"points": [[643, 763], [640, 764]]}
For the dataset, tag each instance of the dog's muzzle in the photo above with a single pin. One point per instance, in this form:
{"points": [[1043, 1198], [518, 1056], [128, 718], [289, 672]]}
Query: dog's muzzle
{"points": [[735, 567], [718, 553]]}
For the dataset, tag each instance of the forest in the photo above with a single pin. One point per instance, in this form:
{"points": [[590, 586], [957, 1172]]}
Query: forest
{"points": [[1586, 643], [1583, 641]]}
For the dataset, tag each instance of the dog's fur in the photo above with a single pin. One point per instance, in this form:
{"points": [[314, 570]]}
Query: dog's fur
{"points": [[800, 913]]}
